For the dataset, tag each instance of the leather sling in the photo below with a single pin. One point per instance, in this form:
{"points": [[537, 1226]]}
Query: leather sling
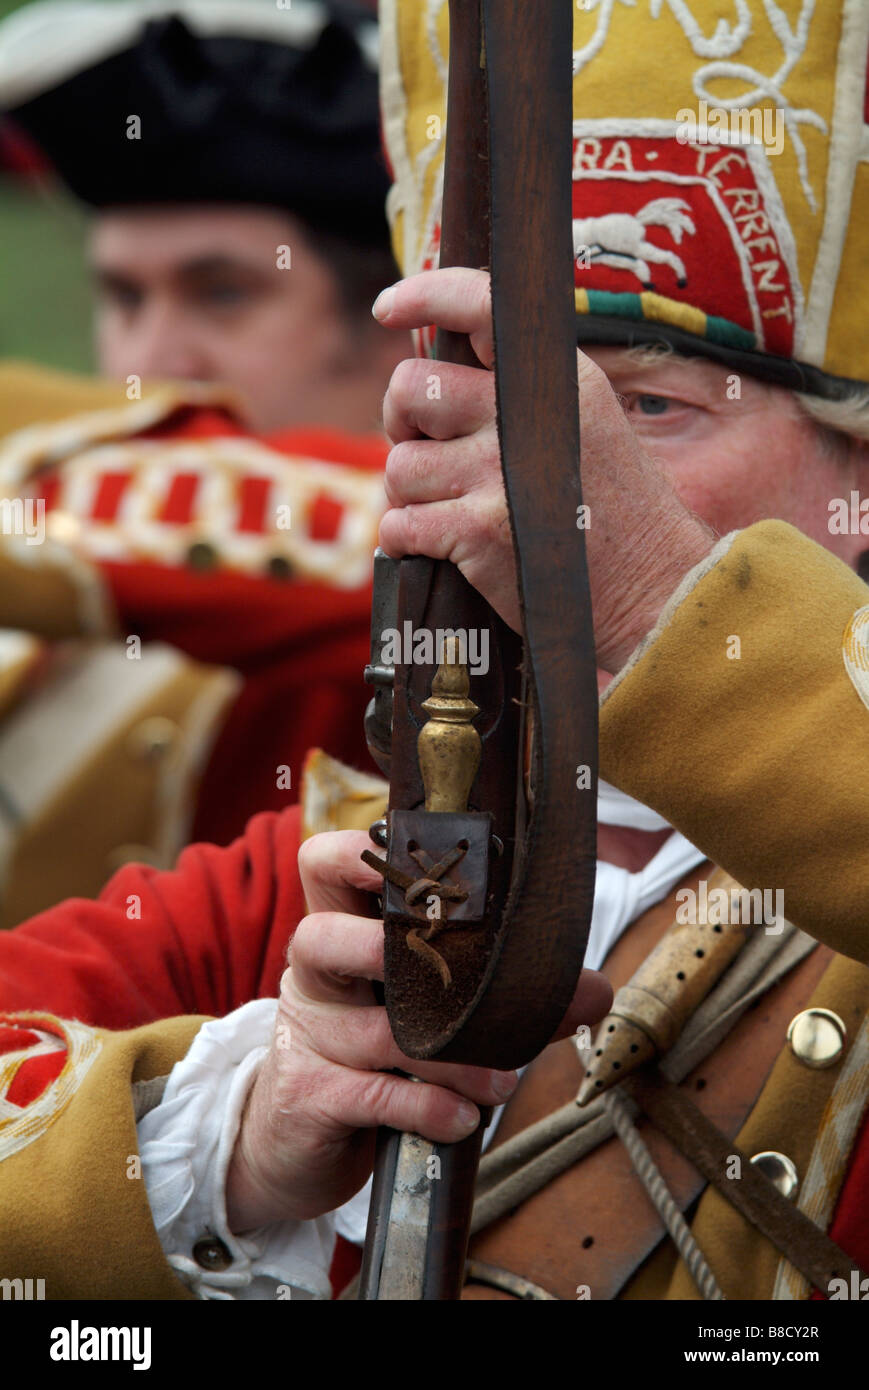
{"points": [[753, 1195]]}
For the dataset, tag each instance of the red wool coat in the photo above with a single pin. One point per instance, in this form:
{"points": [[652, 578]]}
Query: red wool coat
{"points": [[299, 644]]}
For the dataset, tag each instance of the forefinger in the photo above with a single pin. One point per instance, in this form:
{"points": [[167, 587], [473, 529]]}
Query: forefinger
{"points": [[457, 299], [333, 956], [334, 878]]}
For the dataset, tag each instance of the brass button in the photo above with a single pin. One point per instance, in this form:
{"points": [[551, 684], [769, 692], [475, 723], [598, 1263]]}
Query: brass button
{"points": [[211, 1253], [201, 556], [817, 1037], [780, 1170], [279, 567], [152, 739], [131, 854]]}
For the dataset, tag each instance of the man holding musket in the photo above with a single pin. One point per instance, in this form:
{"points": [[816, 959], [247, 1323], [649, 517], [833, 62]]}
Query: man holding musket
{"points": [[723, 414]]}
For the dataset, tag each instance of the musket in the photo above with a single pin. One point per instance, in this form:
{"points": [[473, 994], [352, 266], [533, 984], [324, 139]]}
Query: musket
{"points": [[490, 834]]}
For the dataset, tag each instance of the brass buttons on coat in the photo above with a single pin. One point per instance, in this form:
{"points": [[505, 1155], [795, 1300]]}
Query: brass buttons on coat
{"points": [[279, 567], [202, 556], [780, 1170], [211, 1253], [817, 1037]]}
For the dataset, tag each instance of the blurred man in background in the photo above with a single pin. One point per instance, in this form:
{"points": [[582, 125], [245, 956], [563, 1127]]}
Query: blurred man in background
{"points": [[231, 154]]}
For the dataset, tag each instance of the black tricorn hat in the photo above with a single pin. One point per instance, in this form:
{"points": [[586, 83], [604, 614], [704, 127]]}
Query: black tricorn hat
{"points": [[187, 102]]}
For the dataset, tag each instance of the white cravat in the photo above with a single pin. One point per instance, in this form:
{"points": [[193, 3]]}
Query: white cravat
{"points": [[621, 897]]}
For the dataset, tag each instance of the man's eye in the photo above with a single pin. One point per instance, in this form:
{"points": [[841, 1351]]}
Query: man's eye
{"points": [[224, 296], [653, 405], [120, 296]]}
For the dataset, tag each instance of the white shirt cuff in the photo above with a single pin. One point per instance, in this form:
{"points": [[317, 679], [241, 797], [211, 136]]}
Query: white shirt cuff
{"points": [[186, 1143]]}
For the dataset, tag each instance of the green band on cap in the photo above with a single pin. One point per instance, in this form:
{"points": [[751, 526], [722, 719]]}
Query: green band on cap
{"points": [[729, 334], [656, 308]]}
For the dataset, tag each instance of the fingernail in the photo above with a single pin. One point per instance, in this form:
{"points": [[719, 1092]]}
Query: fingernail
{"points": [[382, 306], [504, 1084], [467, 1117]]}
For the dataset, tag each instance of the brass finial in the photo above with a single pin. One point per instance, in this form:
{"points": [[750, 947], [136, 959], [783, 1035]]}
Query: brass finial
{"points": [[448, 746]]}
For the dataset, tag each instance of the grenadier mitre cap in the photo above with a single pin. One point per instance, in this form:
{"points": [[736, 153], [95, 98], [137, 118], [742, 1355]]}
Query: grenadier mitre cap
{"points": [[721, 175]]}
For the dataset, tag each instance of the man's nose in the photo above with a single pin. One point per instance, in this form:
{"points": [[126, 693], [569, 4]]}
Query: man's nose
{"points": [[165, 344]]}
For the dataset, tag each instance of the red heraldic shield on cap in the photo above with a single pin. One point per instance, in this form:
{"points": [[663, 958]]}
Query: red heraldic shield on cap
{"points": [[721, 176], [663, 225]]}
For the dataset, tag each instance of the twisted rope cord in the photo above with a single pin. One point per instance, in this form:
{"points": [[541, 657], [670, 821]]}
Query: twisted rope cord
{"points": [[620, 1113]]}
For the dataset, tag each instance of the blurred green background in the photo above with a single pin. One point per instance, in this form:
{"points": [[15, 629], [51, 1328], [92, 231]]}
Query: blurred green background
{"points": [[44, 294]]}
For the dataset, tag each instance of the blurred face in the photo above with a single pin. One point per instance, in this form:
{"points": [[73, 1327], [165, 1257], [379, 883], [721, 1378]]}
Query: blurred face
{"points": [[196, 293], [736, 461]]}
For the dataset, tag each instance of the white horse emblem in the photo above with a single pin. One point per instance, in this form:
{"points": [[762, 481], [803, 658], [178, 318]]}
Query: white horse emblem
{"points": [[618, 239]]}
